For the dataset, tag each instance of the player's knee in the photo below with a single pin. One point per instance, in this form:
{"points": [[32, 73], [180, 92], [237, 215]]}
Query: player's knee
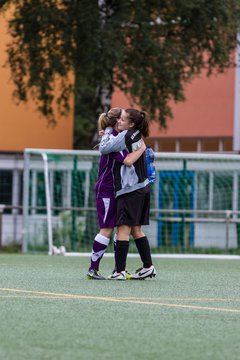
{"points": [[123, 232], [107, 232], [137, 233]]}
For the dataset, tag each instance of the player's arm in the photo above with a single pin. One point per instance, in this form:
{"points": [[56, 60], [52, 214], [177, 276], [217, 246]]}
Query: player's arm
{"points": [[127, 158], [110, 143], [135, 155]]}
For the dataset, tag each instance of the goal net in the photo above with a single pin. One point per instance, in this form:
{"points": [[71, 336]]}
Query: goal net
{"points": [[59, 200], [195, 202]]}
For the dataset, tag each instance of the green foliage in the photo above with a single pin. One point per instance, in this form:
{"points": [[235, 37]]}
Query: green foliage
{"points": [[148, 48], [11, 248], [3, 4]]}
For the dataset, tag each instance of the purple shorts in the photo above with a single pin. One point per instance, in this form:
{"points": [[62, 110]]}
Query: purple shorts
{"points": [[107, 212]]}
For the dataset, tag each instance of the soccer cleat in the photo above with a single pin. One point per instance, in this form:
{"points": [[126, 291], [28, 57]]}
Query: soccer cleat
{"points": [[118, 276], [95, 275], [127, 273], [144, 273]]}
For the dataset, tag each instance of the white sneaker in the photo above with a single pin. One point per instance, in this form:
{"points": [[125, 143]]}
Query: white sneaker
{"points": [[118, 276], [144, 273]]}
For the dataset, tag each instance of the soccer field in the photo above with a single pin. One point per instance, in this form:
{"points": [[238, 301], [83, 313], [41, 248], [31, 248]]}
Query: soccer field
{"points": [[50, 310]]}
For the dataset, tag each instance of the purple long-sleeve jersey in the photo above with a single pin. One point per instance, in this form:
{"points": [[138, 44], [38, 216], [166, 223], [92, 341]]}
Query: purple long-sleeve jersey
{"points": [[105, 184]]}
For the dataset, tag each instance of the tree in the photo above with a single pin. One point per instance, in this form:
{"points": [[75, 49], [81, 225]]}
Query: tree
{"points": [[148, 48]]}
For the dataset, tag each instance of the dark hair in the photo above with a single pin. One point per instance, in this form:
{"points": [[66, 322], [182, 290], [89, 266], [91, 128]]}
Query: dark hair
{"points": [[109, 118], [140, 119]]}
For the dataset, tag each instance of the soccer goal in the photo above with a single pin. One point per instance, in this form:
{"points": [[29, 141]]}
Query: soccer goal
{"points": [[195, 202], [58, 200]]}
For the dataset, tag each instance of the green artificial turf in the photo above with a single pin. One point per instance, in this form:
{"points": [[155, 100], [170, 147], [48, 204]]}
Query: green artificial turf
{"points": [[191, 310]]}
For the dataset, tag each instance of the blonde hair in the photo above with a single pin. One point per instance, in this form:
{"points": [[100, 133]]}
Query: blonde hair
{"points": [[109, 118]]}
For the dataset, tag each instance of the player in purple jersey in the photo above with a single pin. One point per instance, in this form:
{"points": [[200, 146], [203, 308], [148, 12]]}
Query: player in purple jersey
{"points": [[105, 191]]}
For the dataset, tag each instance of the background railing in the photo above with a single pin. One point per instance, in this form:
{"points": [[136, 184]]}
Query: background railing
{"points": [[11, 227], [195, 201]]}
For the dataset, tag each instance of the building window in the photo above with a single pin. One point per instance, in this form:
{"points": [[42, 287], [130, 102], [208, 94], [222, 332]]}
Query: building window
{"points": [[167, 145], [228, 144], [210, 144], [188, 145]]}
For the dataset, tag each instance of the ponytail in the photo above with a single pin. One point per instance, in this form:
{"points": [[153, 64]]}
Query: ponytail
{"points": [[144, 126], [102, 122], [109, 118]]}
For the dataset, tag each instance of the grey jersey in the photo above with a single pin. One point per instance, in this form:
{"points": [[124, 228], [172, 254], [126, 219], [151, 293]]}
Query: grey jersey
{"points": [[127, 178]]}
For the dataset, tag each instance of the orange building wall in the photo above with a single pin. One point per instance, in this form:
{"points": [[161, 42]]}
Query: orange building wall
{"points": [[207, 112], [21, 126]]}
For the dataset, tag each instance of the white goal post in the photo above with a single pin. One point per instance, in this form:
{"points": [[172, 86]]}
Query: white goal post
{"points": [[58, 192]]}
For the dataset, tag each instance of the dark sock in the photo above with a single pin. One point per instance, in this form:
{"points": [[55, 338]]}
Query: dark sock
{"points": [[144, 251], [121, 254]]}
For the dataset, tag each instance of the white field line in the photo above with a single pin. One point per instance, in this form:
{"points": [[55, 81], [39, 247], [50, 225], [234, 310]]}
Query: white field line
{"points": [[166, 256], [121, 300]]}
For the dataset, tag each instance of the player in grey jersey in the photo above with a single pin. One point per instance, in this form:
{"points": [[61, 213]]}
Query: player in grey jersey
{"points": [[132, 188]]}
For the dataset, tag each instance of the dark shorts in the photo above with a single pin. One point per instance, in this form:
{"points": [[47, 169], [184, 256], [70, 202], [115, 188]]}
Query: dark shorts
{"points": [[106, 210], [133, 208]]}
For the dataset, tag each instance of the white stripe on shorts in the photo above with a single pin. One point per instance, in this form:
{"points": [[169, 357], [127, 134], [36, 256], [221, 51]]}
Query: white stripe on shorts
{"points": [[106, 202]]}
